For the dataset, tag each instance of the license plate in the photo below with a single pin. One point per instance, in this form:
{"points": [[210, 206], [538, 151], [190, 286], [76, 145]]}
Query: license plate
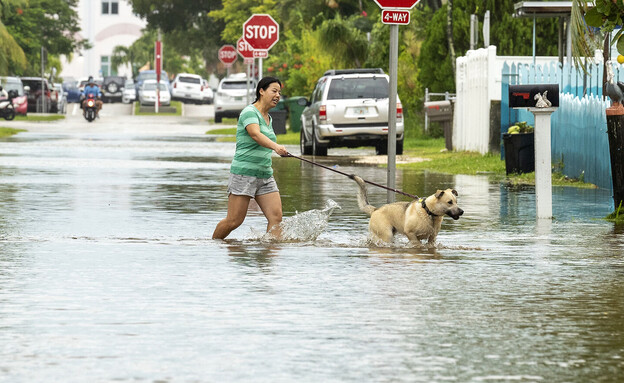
{"points": [[238, 98], [360, 111], [187, 95]]}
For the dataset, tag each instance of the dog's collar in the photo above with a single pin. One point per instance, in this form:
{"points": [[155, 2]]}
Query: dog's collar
{"points": [[424, 205]]}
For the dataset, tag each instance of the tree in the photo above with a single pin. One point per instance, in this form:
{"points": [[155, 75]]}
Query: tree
{"points": [[509, 34], [52, 24], [189, 24], [12, 57]]}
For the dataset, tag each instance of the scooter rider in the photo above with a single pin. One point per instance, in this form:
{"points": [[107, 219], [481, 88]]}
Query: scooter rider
{"points": [[92, 88]]}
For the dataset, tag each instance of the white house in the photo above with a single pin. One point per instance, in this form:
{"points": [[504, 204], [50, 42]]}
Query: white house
{"points": [[105, 24]]}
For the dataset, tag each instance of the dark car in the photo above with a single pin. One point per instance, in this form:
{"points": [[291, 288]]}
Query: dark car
{"points": [[112, 88], [73, 93], [40, 102]]}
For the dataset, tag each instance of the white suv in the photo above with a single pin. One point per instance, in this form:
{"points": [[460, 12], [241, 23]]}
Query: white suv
{"points": [[349, 108], [188, 87], [231, 96]]}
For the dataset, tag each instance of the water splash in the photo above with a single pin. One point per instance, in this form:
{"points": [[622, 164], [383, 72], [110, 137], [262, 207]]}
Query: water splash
{"points": [[306, 226]]}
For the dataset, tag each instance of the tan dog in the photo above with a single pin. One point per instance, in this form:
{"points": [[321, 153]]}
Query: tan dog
{"points": [[418, 220]]}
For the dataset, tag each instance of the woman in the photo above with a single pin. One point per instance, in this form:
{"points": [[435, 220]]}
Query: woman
{"points": [[251, 174]]}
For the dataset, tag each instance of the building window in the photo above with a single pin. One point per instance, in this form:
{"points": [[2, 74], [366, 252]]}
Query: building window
{"points": [[105, 66], [110, 7]]}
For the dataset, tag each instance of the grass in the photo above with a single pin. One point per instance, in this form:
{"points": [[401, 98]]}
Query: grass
{"points": [[175, 104], [290, 138], [38, 117], [617, 216], [6, 132]]}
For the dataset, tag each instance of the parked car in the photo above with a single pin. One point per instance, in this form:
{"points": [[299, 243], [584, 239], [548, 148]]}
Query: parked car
{"points": [[231, 96], [207, 93], [150, 74], [187, 87], [72, 91], [147, 93], [61, 99], [36, 98], [128, 94], [20, 103], [112, 88], [349, 108]]}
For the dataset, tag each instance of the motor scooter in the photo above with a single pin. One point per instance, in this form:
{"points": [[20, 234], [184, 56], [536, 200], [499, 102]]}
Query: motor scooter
{"points": [[90, 108], [7, 110]]}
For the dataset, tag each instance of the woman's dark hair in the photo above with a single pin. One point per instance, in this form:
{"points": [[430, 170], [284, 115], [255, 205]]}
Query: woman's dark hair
{"points": [[264, 85]]}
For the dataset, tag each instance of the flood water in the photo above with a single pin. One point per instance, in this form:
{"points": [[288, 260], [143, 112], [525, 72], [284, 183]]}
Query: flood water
{"points": [[108, 273]]}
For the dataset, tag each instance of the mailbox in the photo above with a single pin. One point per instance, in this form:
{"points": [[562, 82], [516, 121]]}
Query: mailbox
{"points": [[526, 96], [439, 110]]}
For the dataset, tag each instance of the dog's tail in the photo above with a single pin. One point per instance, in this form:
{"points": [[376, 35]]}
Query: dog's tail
{"points": [[362, 197]]}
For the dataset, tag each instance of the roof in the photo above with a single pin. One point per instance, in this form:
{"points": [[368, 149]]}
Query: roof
{"points": [[542, 9], [334, 72]]}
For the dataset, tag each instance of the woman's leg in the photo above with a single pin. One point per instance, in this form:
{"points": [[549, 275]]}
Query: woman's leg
{"points": [[271, 205], [237, 211]]}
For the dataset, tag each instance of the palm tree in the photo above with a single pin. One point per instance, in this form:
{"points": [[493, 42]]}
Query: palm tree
{"points": [[11, 54]]}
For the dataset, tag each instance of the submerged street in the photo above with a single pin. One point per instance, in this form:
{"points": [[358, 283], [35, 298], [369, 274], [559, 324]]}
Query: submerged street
{"points": [[108, 272]]}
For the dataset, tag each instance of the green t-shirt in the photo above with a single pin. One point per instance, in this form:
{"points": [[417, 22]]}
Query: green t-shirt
{"points": [[252, 159]]}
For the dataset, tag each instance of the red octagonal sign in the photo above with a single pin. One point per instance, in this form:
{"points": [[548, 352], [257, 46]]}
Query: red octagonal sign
{"points": [[228, 54], [404, 4], [261, 32]]}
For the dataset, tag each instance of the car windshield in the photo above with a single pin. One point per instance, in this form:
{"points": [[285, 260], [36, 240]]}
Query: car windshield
{"points": [[70, 85], [234, 85], [11, 85], [353, 88], [151, 76], [35, 85], [191, 80], [152, 86]]}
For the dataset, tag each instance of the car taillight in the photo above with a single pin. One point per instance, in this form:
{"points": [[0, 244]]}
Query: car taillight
{"points": [[201, 89], [175, 84], [323, 113], [399, 111]]}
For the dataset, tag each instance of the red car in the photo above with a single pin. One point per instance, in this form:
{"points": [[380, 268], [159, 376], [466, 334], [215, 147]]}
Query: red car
{"points": [[20, 102]]}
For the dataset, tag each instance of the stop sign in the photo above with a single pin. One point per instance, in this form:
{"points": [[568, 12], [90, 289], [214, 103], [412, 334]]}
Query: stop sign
{"points": [[227, 54], [244, 49], [261, 32], [405, 4]]}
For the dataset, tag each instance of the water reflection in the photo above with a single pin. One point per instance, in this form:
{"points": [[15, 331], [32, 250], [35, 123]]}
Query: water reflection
{"points": [[105, 252]]}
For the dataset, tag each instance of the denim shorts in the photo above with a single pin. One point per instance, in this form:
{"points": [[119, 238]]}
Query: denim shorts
{"points": [[251, 186]]}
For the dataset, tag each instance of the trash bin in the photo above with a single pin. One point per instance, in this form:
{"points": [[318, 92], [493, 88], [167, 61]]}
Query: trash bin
{"points": [[279, 120], [295, 111], [519, 152]]}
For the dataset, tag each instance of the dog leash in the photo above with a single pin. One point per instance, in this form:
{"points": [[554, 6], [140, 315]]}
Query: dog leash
{"points": [[351, 176]]}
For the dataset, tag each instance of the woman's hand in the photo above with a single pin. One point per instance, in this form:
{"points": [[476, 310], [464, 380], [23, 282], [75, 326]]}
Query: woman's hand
{"points": [[281, 150]]}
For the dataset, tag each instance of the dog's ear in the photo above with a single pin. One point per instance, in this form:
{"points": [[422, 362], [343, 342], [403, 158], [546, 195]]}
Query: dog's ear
{"points": [[439, 193], [454, 192]]}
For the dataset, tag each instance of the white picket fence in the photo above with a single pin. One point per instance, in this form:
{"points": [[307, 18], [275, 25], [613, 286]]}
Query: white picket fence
{"points": [[478, 82]]}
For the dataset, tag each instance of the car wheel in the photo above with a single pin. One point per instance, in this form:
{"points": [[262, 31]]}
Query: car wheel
{"points": [[318, 149], [113, 87], [399, 147], [218, 118], [306, 149], [382, 147]]}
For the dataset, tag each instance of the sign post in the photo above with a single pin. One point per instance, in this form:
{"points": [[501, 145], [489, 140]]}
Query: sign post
{"points": [[261, 31], [158, 67], [246, 52], [395, 13]]}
